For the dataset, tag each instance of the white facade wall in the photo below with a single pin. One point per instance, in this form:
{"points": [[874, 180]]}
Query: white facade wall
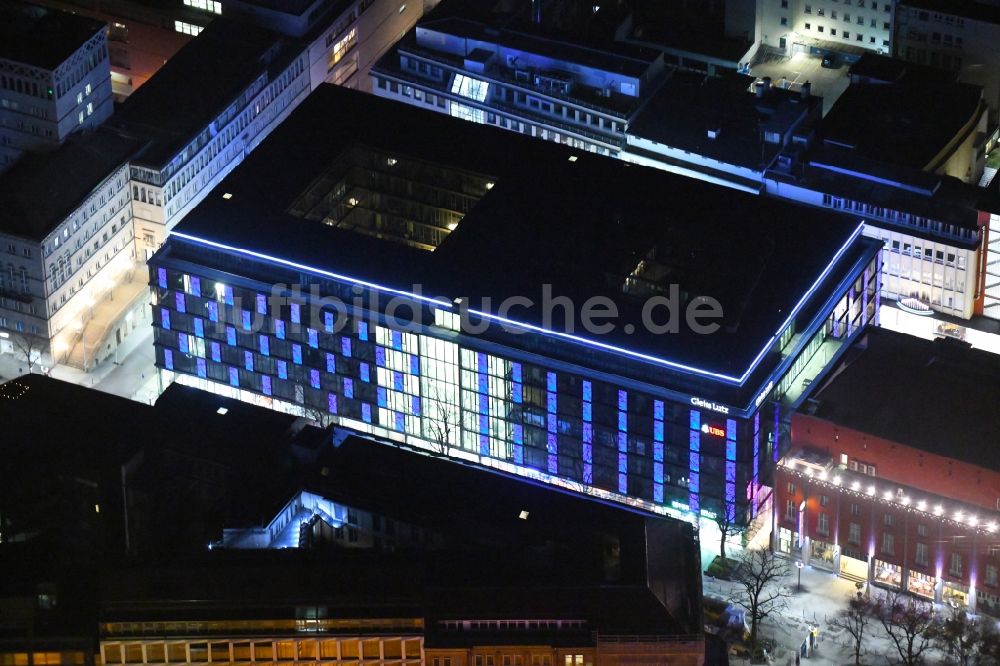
{"points": [[858, 23]]}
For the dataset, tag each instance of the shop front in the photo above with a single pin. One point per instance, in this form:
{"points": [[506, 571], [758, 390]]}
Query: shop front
{"points": [[823, 554], [921, 585], [955, 595], [853, 565], [787, 541], [888, 574]]}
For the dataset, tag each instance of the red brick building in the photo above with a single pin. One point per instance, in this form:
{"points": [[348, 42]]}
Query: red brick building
{"points": [[893, 471]]}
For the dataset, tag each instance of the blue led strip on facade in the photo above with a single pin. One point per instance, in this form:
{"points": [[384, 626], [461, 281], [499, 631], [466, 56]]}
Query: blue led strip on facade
{"points": [[731, 469], [551, 423], [483, 396], [588, 434], [446, 305], [658, 431], [694, 461], [623, 442], [755, 480]]}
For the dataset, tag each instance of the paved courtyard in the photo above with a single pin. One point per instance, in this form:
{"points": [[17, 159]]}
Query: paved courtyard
{"points": [[793, 72]]}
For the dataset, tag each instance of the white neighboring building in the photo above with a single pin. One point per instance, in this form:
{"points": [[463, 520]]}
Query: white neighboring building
{"points": [[788, 26], [55, 78]]}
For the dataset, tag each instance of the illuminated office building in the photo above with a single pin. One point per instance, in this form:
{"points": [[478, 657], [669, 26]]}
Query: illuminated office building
{"points": [[677, 422]]}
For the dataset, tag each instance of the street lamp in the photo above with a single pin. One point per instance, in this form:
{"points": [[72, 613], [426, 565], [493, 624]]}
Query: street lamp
{"points": [[799, 565]]}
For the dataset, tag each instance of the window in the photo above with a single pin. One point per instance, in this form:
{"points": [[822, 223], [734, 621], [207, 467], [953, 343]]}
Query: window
{"points": [[854, 533], [187, 28], [955, 567], [808, 9], [991, 575], [791, 488], [790, 511], [889, 520], [823, 525], [784, 20], [921, 530], [824, 500], [855, 509], [888, 544], [921, 556], [808, 26]]}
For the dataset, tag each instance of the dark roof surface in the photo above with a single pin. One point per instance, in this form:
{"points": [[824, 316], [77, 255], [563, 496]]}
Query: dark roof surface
{"points": [[697, 27], [195, 86], [580, 226], [938, 396], [41, 36], [42, 189], [972, 9]]}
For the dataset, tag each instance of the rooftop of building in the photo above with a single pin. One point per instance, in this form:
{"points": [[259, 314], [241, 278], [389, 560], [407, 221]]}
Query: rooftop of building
{"points": [[908, 122], [41, 36], [937, 396], [551, 215], [719, 118], [686, 25], [41, 190], [988, 12], [196, 86]]}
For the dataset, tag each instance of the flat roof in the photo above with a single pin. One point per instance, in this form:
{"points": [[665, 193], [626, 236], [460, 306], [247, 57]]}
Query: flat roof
{"points": [[906, 123], [42, 189], [685, 26], [195, 86], [689, 104], [971, 9], [581, 226], [937, 396], [41, 36]]}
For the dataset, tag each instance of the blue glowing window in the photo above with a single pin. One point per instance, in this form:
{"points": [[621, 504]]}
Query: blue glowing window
{"points": [[484, 425], [550, 381], [623, 483], [328, 322], [517, 391], [550, 403], [234, 377], [230, 336], [228, 291], [484, 383], [168, 359], [363, 330], [282, 370], [414, 365], [314, 378], [216, 352], [397, 380], [213, 311], [588, 391], [415, 405], [518, 434], [622, 442], [265, 383], [265, 345], [380, 357], [262, 304], [622, 401], [658, 492], [588, 453], [588, 411], [694, 502], [313, 337], [694, 461], [165, 318], [622, 421], [297, 354], [658, 431], [731, 471], [695, 423], [331, 403], [622, 463], [515, 372], [248, 361], [382, 398], [245, 319], [730, 495], [730, 450], [296, 313], [550, 443], [179, 303], [401, 425], [182, 343], [161, 277], [588, 473], [397, 340], [345, 347], [551, 422], [658, 472], [484, 445], [348, 387], [588, 432], [366, 413], [202, 368], [365, 372], [552, 464], [279, 329], [196, 286], [658, 451], [199, 327], [658, 410], [694, 440], [730, 429], [331, 363], [694, 484]]}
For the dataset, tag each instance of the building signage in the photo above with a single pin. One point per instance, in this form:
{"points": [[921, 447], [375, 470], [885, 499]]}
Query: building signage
{"points": [[708, 404], [713, 430], [763, 394]]}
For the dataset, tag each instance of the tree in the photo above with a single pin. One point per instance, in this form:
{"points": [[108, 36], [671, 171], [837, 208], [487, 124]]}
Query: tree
{"points": [[758, 575], [728, 526], [910, 626], [855, 620], [441, 422], [29, 346], [961, 637]]}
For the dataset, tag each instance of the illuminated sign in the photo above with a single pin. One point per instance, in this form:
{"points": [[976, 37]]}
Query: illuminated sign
{"points": [[708, 404], [713, 430], [763, 394]]}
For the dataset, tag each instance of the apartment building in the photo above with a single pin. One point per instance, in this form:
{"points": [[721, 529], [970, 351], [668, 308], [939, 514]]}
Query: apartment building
{"points": [[792, 26]]}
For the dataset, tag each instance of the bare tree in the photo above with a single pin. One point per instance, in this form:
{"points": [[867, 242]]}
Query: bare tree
{"points": [[910, 626], [855, 620], [728, 526], [960, 637], [758, 575], [29, 346], [441, 422]]}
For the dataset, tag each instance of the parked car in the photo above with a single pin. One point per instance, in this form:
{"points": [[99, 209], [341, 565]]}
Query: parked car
{"points": [[829, 61]]}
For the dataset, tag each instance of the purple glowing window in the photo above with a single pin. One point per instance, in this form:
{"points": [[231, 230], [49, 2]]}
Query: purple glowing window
{"points": [[265, 345], [245, 319], [262, 304], [366, 413], [179, 302], [363, 330], [165, 318], [517, 393], [658, 431], [296, 313], [279, 329], [265, 382], [168, 359], [588, 391], [313, 337], [234, 377], [400, 422], [730, 429], [397, 340], [345, 346], [202, 368], [622, 421], [314, 378], [161, 277], [331, 363], [230, 336], [622, 401], [196, 286], [550, 381], [515, 372], [658, 410], [199, 327], [297, 354], [383, 398], [213, 311], [365, 371], [228, 291], [182, 343], [348, 387], [216, 352], [331, 403], [397, 380], [248, 361], [328, 322], [282, 370], [414, 365], [415, 405], [695, 420], [380, 357]]}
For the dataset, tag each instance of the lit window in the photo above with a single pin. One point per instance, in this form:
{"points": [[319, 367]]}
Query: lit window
{"points": [[470, 88]]}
